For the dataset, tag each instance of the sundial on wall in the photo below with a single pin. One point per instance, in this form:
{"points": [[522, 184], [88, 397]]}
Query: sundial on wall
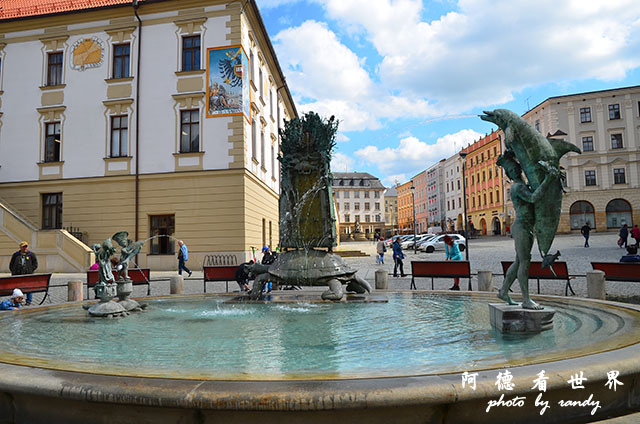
{"points": [[87, 53]]}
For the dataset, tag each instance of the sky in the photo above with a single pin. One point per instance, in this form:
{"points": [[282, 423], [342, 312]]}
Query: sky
{"points": [[407, 79]]}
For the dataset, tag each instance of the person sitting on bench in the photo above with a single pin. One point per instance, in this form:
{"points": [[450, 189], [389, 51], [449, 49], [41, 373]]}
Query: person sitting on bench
{"points": [[632, 255]]}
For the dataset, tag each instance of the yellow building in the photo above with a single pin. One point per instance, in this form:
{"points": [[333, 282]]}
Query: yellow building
{"points": [[158, 118], [483, 179], [405, 208]]}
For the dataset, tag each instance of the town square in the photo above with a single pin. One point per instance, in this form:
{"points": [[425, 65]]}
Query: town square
{"points": [[307, 211]]}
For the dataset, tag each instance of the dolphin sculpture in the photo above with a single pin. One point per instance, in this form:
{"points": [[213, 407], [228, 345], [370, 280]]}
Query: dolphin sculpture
{"points": [[536, 153]]}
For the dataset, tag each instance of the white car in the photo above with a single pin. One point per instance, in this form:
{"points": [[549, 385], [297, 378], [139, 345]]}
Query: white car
{"points": [[437, 243]]}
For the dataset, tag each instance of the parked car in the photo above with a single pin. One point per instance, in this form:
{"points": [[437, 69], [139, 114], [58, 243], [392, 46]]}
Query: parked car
{"points": [[405, 237], [437, 243], [420, 239], [422, 246]]}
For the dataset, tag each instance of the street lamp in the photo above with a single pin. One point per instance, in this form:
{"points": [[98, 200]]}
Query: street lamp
{"points": [[463, 155], [413, 201]]}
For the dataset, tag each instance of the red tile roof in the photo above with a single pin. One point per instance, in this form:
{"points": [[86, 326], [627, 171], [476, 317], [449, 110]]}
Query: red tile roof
{"points": [[12, 9]]}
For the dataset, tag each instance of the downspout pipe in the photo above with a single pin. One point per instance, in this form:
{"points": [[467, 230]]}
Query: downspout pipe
{"points": [[137, 152]]}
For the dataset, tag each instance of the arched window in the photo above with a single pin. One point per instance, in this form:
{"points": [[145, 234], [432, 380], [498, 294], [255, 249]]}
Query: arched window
{"points": [[618, 213], [580, 213]]}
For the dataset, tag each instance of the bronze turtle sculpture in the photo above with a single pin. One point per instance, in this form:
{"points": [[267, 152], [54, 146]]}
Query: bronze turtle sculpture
{"points": [[309, 268]]}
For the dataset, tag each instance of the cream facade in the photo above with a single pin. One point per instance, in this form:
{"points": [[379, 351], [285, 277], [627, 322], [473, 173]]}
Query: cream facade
{"points": [[391, 210], [603, 182], [102, 147], [360, 204]]}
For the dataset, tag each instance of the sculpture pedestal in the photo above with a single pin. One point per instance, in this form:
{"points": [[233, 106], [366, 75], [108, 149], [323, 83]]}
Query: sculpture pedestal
{"points": [[359, 236], [515, 319]]}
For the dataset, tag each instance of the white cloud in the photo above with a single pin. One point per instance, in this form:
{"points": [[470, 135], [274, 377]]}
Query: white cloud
{"points": [[340, 138], [329, 78], [318, 65], [341, 163], [489, 49], [392, 180], [413, 155]]}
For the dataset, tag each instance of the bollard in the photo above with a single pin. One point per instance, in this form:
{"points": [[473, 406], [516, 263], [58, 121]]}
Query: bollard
{"points": [[595, 285], [382, 279], [176, 284], [485, 281], [74, 290]]}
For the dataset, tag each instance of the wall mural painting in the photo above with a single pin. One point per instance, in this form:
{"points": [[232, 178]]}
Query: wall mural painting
{"points": [[228, 82]]}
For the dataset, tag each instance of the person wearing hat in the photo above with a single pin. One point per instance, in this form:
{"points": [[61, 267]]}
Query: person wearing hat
{"points": [[14, 302], [24, 262]]}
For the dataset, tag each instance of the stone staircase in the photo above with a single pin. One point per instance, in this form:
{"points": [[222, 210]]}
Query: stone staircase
{"points": [[56, 250]]}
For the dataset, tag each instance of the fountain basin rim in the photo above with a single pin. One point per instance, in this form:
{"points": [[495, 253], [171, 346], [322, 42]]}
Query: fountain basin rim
{"points": [[309, 394]]}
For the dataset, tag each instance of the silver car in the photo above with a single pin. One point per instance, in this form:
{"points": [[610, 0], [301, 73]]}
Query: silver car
{"points": [[437, 243]]}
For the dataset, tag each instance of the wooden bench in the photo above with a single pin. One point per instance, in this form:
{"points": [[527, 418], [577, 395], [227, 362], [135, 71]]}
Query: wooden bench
{"points": [[28, 283], [440, 269], [619, 271], [539, 273], [224, 273], [138, 276]]}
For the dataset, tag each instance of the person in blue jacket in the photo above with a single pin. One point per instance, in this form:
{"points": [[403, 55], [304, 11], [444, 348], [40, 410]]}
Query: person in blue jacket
{"points": [[14, 302], [183, 256], [398, 256], [453, 254]]}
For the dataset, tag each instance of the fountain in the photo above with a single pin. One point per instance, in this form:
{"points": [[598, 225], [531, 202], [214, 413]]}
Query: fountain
{"points": [[108, 286], [307, 218], [421, 357]]}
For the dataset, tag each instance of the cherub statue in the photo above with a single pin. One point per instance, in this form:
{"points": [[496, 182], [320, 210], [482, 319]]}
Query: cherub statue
{"points": [[128, 250]]}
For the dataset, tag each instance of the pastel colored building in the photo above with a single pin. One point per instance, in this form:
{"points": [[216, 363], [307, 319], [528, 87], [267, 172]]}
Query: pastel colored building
{"points": [[421, 201], [485, 208], [405, 208], [436, 196], [454, 209], [159, 118]]}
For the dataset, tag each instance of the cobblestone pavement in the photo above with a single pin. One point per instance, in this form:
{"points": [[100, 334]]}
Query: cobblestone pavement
{"points": [[484, 254]]}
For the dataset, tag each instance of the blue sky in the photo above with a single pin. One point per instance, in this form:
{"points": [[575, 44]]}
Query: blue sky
{"points": [[407, 78]]}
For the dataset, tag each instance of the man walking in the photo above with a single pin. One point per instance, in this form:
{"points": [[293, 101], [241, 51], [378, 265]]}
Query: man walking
{"points": [[24, 262], [624, 236], [183, 256], [380, 249], [585, 232]]}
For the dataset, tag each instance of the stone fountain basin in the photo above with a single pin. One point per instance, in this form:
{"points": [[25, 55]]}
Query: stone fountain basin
{"points": [[39, 394]]}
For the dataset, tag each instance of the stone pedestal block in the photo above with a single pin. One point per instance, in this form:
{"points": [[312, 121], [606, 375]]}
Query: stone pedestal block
{"points": [[176, 285], [485, 281], [515, 319], [74, 290], [382, 279], [595, 285]]}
